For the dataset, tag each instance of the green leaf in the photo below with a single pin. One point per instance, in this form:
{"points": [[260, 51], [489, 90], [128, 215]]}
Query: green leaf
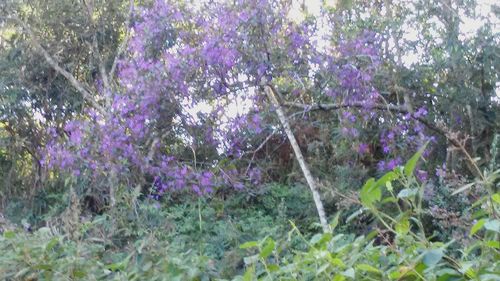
{"points": [[349, 273], [338, 277], [493, 244], [337, 262], [321, 269], [268, 248], [496, 197], [249, 244], [432, 257], [403, 226], [249, 274], [355, 214], [52, 243], [370, 193], [367, 268], [9, 234], [273, 267], [119, 266], [492, 225], [477, 226], [407, 192], [79, 274], [412, 163], [395, 274], [321, 239], [251, 259], [335, 221], [386, 179], [389, 187]]}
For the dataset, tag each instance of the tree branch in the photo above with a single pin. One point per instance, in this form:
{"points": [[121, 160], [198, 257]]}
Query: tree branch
{"points": [[55, 65], [124, 43]]}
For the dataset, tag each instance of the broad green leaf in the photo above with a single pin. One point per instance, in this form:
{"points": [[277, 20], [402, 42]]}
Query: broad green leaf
{"points": [[249, 244], [386, 179], [477, 226], [496, 197], [370, 193], [267, 249], [119, 266], [493, 244], [389, 200], [412, 163], [432, 257], [316, 237]]}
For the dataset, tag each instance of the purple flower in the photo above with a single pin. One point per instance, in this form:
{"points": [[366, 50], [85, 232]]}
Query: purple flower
{"points": [[421, 112], [422, 175], [363, 148]]}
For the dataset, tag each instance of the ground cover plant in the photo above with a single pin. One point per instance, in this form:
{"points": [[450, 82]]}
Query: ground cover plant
{"points": [[249, 140]]}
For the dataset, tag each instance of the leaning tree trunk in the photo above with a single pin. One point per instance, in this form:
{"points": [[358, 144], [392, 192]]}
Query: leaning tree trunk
{"points": [[300, 158]]}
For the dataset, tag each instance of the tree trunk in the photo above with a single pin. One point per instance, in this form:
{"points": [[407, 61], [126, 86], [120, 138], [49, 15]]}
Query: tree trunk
{"points": [[300, 158]]}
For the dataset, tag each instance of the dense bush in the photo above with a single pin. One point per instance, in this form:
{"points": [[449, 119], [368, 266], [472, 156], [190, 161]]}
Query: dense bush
{"points": [[165, 139], [187, 242]]}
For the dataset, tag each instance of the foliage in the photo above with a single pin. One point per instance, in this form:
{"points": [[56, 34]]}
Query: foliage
{"points": [[137, 141], [398, 250]]}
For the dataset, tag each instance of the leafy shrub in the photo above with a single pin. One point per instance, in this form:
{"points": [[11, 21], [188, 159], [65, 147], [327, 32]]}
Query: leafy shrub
{"points": [[398, 250]]}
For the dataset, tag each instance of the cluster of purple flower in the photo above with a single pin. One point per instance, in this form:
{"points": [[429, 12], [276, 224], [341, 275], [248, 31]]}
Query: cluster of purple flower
{"points": [[209, 56]]}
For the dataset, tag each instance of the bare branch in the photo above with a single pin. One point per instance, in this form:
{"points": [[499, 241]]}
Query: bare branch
{"points": [[254, 152]]}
